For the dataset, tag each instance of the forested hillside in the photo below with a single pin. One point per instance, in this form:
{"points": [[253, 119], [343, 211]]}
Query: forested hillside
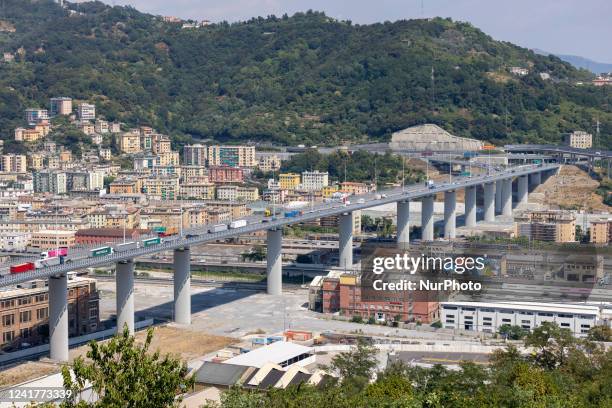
{"points": [[301, 79]]}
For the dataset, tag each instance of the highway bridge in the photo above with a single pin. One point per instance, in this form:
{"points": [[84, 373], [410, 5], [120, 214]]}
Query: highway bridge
{"points": [[559, 150], [497, 188]]}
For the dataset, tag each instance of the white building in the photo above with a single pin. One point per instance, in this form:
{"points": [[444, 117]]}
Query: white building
{"points": [[489, 317], [87, 111], [579, 139], [14, 241], [314, 180], [282, 353]]}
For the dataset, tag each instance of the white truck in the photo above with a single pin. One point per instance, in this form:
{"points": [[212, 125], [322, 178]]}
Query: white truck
{"points": [[126, 246], [238, 224], [217, 228], [42, 263], [429, 184]]}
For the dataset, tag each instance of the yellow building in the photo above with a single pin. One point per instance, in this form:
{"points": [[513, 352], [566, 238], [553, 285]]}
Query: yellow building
{"points": [[327, 191], [13, 163], [129, 143], [31, 135], [269, 163], [168, 158], [36, 161], [65, 156], [161, 144], [166, 188], [601, 231], [49, 239], [201, 191], [289, 181], [124, 186]]}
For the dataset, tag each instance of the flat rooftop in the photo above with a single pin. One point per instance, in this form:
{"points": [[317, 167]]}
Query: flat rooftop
{"points": [[276, 352], [530, 306]]}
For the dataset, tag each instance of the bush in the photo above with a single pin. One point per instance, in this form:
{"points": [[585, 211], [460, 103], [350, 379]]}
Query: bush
{"points": [[357, 319]]}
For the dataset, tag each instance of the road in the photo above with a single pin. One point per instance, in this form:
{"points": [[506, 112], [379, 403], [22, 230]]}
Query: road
{"points": [[80, 258]]}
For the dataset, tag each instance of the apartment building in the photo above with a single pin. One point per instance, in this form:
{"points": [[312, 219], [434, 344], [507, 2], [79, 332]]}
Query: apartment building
{"points": [[125, 186], [314, 180], [48, 239], [166, 188], [232, 156], [14, 241], [237, 193], [332, 221], [105, 154], [579, 139], [61, 106], [194, 155], [489, 317], [35, 115], [199, 191], [161, 144], [601, 231], [269, 163], [103, 236], [289, 181], [129, 142], [35, 161], [25, 312], [101, 126], [225, 174], [13, 163], [169, 158], [46, 181], [546, 225], [86, 111], [354, 188], [237, 209]]}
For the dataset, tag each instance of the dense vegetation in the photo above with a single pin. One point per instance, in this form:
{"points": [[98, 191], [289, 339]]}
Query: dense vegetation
{"points": [[561, 372], [301, 79], [359, 166]]}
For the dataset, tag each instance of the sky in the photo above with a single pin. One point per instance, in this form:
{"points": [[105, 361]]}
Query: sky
{"points": [[582, 28]]}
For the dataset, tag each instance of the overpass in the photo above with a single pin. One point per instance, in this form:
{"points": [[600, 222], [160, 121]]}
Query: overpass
{"points": [[497, 188], [560, 150]]}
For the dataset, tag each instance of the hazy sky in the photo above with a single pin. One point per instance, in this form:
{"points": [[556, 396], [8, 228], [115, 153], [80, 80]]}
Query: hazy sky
{"points": [[560, 26]]}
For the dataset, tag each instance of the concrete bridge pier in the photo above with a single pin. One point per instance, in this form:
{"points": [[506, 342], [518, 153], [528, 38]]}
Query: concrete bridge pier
{"points": [[427, 219], [274, 262], [58, 317], [498, 196], [403, 224], [346, 240], [450, 209], [470, 207], [182, 286], [535, 180], [124, 280], [489, 202], [507, 198], [522, 185]]}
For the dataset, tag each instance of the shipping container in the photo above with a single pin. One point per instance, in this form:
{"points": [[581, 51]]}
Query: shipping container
{"points": [[292, 214], [159, 229], [20, 268], [168, 232], [126, 246], [62, 251], [238, 224], [151, 241], [101, 251], [217, 228]]}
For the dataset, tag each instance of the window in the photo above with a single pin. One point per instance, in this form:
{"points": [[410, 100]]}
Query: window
{"points": [[8, 320], [486, 323], [42, 313], [545, 314], [565, 325], [25, 300], [7, 336], [450, 307], [486, 319], [25, 333], [506, 320], [585, 326], [25, 316]]}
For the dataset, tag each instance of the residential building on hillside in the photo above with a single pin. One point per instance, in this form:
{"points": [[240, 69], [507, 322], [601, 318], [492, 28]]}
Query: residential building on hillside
{"points": [[35, 115], [46, 181], [61, 106], [194, 155], [314, 180], [13, 163], [601, 231], [579, 140], [49, 239], [289, 181], [86, 111], [232, 156], [225, 174]]}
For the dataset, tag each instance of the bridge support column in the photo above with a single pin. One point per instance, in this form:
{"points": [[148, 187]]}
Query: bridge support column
{"points": [[274, 262], [58, 317], [124, 281], [450, 221], [182, 286], [507, 198], [427, 219], [403, 224], [522, 185], [498, 196], [489, 202], [470, 207], [346, 240], [535, 179]]}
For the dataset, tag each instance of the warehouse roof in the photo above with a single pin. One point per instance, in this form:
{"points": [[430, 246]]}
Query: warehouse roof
{"points": [[276, 352]]}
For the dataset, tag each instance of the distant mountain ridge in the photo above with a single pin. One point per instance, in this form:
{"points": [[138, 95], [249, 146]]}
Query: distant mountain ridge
{"points": [[580, 62]]}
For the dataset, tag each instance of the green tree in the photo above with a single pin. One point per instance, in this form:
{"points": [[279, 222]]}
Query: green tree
{"points": [[124, 373], [512, 332], [600, 333], [355, 367], [258, 253]]}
